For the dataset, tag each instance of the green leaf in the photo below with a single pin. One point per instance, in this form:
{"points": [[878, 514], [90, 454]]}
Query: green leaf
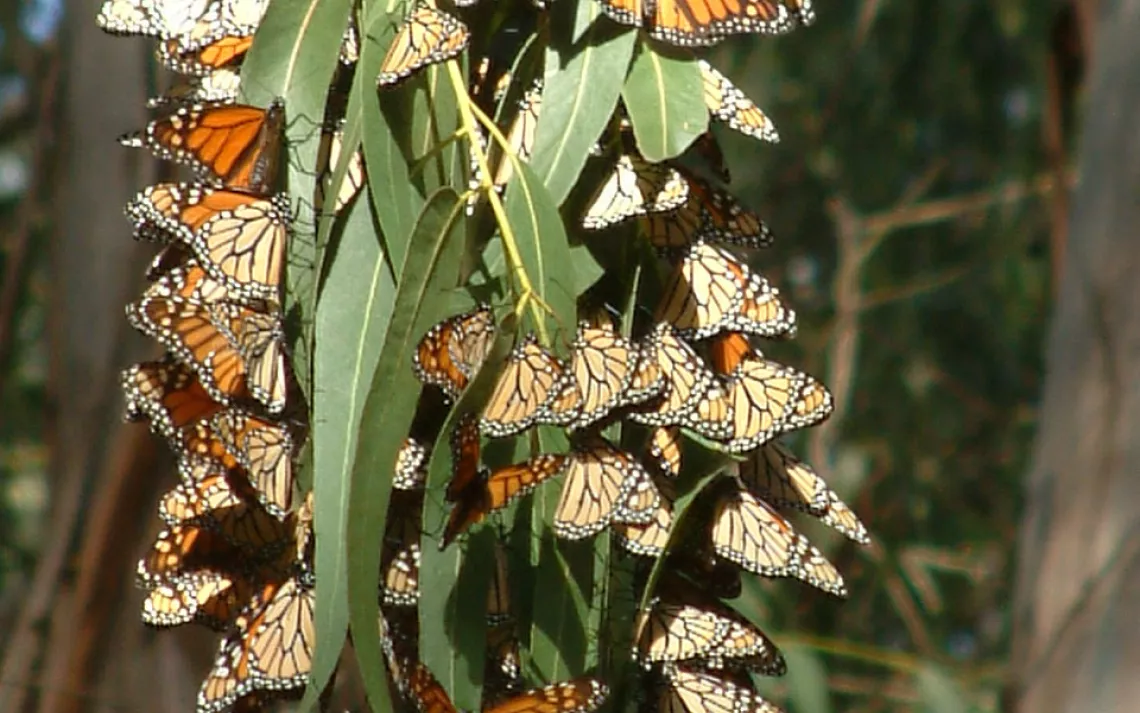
{"points": [[396, 202], [939, 693], [453, 642], [352, 317], [583, 79], [807, 680], [429, 271], [294, 56], [562, 591], [434, 123], [542, 244], [664, 97]]}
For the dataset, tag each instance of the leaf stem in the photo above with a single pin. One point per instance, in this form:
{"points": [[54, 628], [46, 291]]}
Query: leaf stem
{"points": [[526, 296]]}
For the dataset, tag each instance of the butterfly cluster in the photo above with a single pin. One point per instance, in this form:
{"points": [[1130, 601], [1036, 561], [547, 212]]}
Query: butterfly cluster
{"points": [[638, 381], [636, 385], [236, 551]]}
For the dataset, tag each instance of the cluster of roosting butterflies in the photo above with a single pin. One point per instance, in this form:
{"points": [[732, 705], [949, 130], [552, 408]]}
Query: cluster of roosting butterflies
{"points": [[237, 549]]}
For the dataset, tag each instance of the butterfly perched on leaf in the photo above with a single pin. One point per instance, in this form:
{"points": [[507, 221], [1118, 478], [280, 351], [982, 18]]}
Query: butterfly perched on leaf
{"points": [[428, 36], [635, 188], [450, 353], [603, 485], [497, 490], [233, 146], [706, 22]]}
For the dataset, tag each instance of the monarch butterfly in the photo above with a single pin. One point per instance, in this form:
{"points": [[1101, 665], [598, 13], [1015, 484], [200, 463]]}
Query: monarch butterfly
{"points": [[773, 473], [400, 551], [727, 350], [210, 598], [692, 691], [184, 549], [530, 381], [429, 36], [154, 18], [269, 650], [696, 561], [503, 486], [708, 214], [168, 394], [220, 86], [579, 695], [520, 137], [466, 468], [602, 368], [237, 238], [217, 498], [499, 590], [202, 59], [501, 670], [452, 352], [603, 485], [708, 149], [650, 539], [728, 104], [665, 449], [769, 399], [635, 188], [235, 351], [710, 292], [265, 451], [693, 397], [411, 465], [684, 624], [747, 531], [192, 21], [706, 22], [350, 43], [332, 144], [234, 145]]}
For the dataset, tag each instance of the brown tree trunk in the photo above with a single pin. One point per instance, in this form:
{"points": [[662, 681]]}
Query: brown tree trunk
{"points": [[78, 644], [1077, 608]]}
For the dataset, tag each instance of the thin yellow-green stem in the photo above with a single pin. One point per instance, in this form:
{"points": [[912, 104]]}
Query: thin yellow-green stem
{"points": [[526, 297]]}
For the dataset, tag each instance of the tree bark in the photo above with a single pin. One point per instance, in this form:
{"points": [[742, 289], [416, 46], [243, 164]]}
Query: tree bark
{"points": [[1077, 604]]}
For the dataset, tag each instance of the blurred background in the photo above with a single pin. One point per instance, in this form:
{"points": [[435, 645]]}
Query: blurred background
{"points": [[923, 195]]}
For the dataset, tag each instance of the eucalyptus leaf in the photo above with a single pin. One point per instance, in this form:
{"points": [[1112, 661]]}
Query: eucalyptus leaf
{"points": [[586, 66], [664, 97], [429, 271], [294, 56]]}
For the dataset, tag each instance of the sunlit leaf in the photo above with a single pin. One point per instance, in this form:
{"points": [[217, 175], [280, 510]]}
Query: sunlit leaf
{"points": [[294, 56], [663, 96], [430, 270], [542, 244], [583, 79], [352, 317]]}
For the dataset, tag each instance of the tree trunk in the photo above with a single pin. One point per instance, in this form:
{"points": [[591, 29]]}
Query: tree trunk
{"points": [[1077, 608]]}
